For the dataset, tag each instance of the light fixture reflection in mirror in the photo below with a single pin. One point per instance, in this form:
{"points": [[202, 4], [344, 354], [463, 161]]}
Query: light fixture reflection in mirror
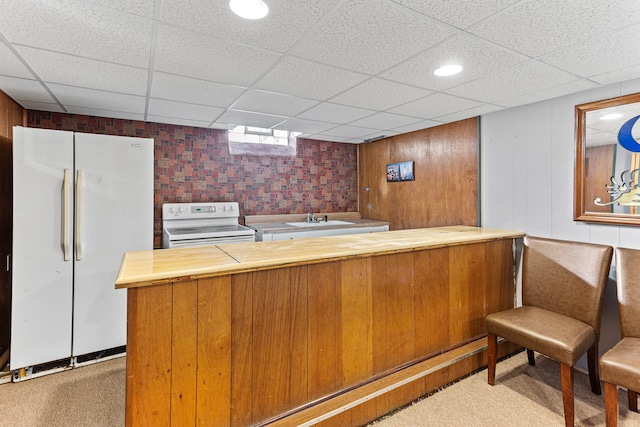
{"points": [[608, 161]]}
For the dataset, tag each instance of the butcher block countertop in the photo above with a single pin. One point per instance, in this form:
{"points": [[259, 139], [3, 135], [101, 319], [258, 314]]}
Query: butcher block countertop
{"points": [[144, 268]]}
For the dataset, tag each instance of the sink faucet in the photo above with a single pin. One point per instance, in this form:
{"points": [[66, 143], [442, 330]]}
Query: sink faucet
{"points": [[311, 217]]}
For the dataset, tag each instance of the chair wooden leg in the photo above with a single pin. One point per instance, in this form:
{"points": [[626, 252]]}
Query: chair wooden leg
{"points": [[633, 400], [611, 404], [594, 369], [492, 356], [532, 357], [566, 375]]}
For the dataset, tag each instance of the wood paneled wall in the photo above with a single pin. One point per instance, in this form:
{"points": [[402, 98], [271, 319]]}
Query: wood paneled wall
{"points": [[11, 114], [445, 189], [599, 168], [244, 349]]}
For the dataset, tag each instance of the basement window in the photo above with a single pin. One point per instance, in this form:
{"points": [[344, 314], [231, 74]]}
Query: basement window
{"points": [[262, 141]]}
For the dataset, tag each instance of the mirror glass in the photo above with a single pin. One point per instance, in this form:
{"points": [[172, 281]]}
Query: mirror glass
{"points": [[608, 161]]}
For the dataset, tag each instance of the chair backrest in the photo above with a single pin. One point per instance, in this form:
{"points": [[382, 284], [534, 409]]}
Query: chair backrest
{"points": [[628, 278], [566, 277]]}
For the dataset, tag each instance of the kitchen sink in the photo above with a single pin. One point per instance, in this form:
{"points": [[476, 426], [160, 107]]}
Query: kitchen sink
{"points": [[319, 224]]}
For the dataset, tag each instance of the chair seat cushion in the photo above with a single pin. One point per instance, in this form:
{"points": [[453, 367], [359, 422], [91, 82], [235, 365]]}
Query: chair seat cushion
{"points": [[621, 364], [563, 339]]}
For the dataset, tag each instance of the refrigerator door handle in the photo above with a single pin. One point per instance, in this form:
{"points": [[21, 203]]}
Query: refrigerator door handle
{"points": [[79, 183], [66, 199]]}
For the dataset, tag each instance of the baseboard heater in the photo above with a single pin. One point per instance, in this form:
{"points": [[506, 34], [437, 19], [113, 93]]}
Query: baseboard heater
{"points": [[318, 411]]}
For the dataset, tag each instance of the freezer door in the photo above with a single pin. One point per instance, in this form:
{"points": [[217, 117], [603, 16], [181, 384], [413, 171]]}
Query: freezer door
{"points": [[114, 209], [41, 277]]}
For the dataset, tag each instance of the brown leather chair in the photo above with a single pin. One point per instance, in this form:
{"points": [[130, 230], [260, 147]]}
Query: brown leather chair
{"points": [[620, 366], [562, 290]]}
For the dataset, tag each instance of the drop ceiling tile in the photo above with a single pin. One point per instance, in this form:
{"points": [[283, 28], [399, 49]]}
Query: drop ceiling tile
{"points": [[424, 124], [384, 121], [306, 79], [181, 110], [138, 7], [617, 76], [303, 136], [275, 103], [78, 28], [536, 27], [435, 105], [378, 135], [178, 121], [370, 35], [41, 106], [11, 65], [248, 118], [599, 55], [194, 91], [379, 94], [471, 112], [478, 57], [194, 55], [525, 77], [461, 13], [90, 98], [223, 126], [25, 90], [334, 113], [328, 138], [287, 21], [54, 67], [548, 93], [105, 113], [347, 131], [305, 126]]}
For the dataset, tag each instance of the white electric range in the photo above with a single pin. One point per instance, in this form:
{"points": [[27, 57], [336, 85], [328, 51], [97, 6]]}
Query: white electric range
{"points": [[202, 224]]}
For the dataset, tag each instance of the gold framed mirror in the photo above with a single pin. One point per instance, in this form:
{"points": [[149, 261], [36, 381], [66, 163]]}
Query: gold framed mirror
{"points": [[607, 161]]}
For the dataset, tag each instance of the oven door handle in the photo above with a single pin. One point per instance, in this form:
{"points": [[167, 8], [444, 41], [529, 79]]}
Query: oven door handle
{"points": [[66, 200], [79, 184]]}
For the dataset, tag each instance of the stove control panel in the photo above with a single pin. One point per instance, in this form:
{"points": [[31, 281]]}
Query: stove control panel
{"points": [[200, 210]]}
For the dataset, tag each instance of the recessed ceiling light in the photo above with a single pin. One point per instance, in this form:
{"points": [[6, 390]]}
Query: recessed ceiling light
{"points": [[249, 9], [611, 116], [448, 70]]}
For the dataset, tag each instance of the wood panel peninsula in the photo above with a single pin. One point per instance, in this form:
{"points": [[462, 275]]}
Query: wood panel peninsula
{"points": [[331, 331]]}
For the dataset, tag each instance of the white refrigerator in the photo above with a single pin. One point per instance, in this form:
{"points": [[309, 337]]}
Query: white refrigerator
{"points": [[80, 201]]}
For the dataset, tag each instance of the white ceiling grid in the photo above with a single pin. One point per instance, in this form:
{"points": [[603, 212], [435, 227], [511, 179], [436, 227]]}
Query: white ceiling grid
{"points": [[336, 70]]}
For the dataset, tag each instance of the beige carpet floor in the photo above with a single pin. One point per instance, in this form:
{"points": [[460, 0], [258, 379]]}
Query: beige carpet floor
{"points": [[88, 396], [524, 396]]}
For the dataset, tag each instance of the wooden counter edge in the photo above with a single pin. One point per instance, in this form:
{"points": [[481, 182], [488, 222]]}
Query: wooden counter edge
{"points": [[125, 280]]}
